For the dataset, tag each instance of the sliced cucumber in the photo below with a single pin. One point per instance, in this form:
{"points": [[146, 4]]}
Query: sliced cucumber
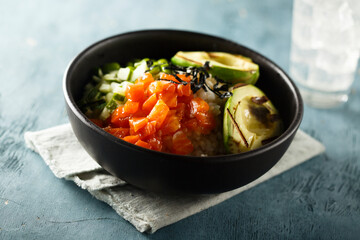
{"points": [[139, 70], [105, 88], [109, 96], [97, 78], [105, 114], [112, 105], [139, 62], [109, 67], [112, 76], [93, 95], [124, 74], [119, 98], [120, 88]]}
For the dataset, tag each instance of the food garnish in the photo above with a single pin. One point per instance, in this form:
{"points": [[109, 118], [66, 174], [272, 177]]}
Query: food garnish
{"points": [[177, 107]]}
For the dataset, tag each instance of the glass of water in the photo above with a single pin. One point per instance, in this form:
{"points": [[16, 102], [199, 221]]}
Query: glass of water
{"points": [[325, 50]]}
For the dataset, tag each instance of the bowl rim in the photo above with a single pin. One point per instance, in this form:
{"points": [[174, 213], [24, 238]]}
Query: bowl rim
{"points": [[290, 131]]}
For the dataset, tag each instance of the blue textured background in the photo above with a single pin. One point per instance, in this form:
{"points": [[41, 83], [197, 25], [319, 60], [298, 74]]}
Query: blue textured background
{"points": [[319, 199]]}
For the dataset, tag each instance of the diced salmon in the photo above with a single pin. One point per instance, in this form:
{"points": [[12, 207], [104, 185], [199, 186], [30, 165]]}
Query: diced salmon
{"points": [[143, 144], [181, 144], [118, 132], [158, 113], [137, 123], [135, 92], [149, 103], [131, 107]]}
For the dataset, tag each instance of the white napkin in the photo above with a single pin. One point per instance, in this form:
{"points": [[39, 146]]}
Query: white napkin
{"points": [[147, 211]]}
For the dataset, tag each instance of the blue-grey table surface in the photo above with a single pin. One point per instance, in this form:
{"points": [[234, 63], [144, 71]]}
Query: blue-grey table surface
{"points": [[318, 199]]}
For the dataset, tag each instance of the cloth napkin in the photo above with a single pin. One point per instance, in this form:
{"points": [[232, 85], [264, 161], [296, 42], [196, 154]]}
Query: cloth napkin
{"points": [[147, 211]]}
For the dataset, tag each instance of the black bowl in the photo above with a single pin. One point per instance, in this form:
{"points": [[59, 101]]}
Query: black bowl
{"points": [[162, 172]]}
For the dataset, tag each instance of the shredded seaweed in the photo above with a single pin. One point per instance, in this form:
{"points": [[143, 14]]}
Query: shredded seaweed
{"points": [[199, 76]]}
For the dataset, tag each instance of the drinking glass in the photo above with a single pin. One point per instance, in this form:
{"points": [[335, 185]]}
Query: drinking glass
{"points": [[325, 50]]}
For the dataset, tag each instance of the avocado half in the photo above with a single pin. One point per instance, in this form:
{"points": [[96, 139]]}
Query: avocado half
{"points": [[231, 68], [250, 120]]}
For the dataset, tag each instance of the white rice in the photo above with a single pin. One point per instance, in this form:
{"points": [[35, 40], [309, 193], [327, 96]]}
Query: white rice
{"points": [[210, 144]]}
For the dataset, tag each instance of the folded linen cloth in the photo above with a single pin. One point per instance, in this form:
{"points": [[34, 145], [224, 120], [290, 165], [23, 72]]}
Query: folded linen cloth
{"points": [[147, 211]]}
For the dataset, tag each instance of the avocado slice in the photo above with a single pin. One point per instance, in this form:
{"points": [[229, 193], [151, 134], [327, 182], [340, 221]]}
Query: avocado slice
{"points": [[250, 120], [231, 68]]}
